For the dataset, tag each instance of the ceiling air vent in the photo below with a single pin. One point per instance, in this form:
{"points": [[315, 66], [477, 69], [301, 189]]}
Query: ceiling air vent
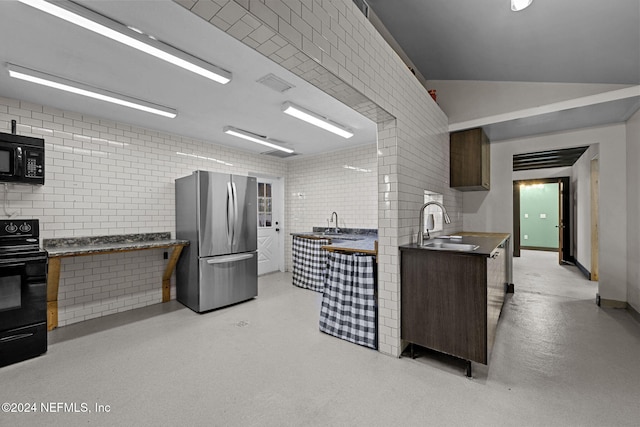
{"points": [[280, 154], [276, 83], [547, 159]]}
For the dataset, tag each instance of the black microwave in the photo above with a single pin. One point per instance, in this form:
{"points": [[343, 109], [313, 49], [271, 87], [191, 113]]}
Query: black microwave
{"points": [[21, 159]]}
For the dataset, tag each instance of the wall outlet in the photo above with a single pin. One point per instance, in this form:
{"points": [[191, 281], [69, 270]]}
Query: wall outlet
{"points": [[543, 216], [526, 237]]}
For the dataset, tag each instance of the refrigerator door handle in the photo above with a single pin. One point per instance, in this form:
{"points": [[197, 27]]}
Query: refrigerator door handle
{"points": [[229, 258], [230, 218], [235, 214]]}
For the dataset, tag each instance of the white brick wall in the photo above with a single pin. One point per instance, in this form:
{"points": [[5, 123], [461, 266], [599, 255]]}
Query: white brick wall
{"points": [[319, 185], [333, 39], [310, 37], [110, 178], [103, 178], [94, 286], [342, 181]]}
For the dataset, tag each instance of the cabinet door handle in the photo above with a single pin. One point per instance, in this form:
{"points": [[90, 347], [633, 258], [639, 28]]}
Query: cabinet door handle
{"points": [[495, 255]]}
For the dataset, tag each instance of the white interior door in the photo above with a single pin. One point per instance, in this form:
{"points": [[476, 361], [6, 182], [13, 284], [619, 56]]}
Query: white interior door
{"points": [[269, 225]]}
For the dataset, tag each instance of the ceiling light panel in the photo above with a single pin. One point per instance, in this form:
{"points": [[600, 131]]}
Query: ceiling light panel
{"points": [[66, 85], [316, 119], [258, 139], [104, 26]]}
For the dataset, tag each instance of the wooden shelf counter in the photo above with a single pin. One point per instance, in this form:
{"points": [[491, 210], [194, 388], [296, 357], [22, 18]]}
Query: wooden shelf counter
{"points": [[97, 245]]}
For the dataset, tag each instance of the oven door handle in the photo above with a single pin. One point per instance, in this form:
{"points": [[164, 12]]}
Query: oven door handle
{"points": [[18, 262], [15, 337]]}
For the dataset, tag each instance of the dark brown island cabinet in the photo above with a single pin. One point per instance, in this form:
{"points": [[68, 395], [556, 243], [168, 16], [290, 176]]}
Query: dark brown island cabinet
{"points": [[469, 160], [451, 300]]}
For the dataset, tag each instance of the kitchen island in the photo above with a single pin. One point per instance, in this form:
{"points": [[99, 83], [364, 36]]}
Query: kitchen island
{"points": [[452, 292]]}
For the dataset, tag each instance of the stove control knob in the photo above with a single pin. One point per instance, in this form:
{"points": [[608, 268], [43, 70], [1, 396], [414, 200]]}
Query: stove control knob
{"points": [[11, 228], [25, 228]]}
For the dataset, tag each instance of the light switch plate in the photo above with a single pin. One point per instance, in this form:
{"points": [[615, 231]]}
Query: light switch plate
{"points": [[526, 215], [543, 216], [526, 237]]}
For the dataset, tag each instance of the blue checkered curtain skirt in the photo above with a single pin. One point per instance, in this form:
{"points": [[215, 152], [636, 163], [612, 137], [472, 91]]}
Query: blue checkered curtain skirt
{"points": [[349, 301], [309, 263]]}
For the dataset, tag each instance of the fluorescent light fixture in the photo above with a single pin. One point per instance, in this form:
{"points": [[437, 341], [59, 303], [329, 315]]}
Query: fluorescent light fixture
{"points": [[316, 119], [102, 25], [518, 5], [60, 83], [229, 130]]}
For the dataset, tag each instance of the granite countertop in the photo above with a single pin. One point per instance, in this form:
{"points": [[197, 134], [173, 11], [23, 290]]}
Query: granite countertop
{"points": [[103, 244], [486, 242], [354, 240]]}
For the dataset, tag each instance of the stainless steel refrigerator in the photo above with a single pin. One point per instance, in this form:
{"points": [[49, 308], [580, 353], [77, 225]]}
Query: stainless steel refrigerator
{"points": [[217, 213]]}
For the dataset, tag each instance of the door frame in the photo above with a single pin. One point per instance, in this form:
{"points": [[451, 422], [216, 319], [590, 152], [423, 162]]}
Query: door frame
{"points": [[595, 220], [566, 224]]}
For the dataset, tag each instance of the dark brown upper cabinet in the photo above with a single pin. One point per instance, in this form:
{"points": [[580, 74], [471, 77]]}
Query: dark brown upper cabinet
{"points": [[469, 160]]}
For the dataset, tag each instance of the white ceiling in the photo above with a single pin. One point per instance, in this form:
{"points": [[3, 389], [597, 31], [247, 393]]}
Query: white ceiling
{"points": [[573, 40], [567, 41], [50, 45], [557, 121]]}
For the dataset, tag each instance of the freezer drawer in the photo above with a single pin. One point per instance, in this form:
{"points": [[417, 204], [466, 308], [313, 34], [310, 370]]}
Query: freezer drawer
{"points": [[227, 279]]}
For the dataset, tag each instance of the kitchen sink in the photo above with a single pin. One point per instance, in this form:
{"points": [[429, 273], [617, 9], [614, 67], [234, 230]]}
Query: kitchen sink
{"points": [[448, 246]]}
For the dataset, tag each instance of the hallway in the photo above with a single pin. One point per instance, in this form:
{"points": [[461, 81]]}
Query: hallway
{"points": [[575, 355], [539, 272]]}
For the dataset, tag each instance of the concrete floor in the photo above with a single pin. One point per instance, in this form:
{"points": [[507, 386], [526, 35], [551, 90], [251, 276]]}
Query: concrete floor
{"points": [[559, 360]]}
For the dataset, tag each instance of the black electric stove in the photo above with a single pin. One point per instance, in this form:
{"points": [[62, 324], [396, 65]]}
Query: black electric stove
{"points": [[23, 291]]}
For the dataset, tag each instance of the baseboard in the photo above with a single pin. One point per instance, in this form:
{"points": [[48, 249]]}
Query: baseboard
{"points": [[582, 268], [539, 248], [612, 303], [634, 313]]}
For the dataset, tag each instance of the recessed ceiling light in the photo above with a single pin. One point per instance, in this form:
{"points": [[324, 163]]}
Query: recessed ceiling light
{"points": [[259, 139], [316, 119], [518, 5], [134, 38], [60, 83]]}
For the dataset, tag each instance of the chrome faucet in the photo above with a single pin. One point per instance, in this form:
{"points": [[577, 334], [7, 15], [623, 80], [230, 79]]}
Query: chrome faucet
{"points": [[335, 229], [447, 220]]}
